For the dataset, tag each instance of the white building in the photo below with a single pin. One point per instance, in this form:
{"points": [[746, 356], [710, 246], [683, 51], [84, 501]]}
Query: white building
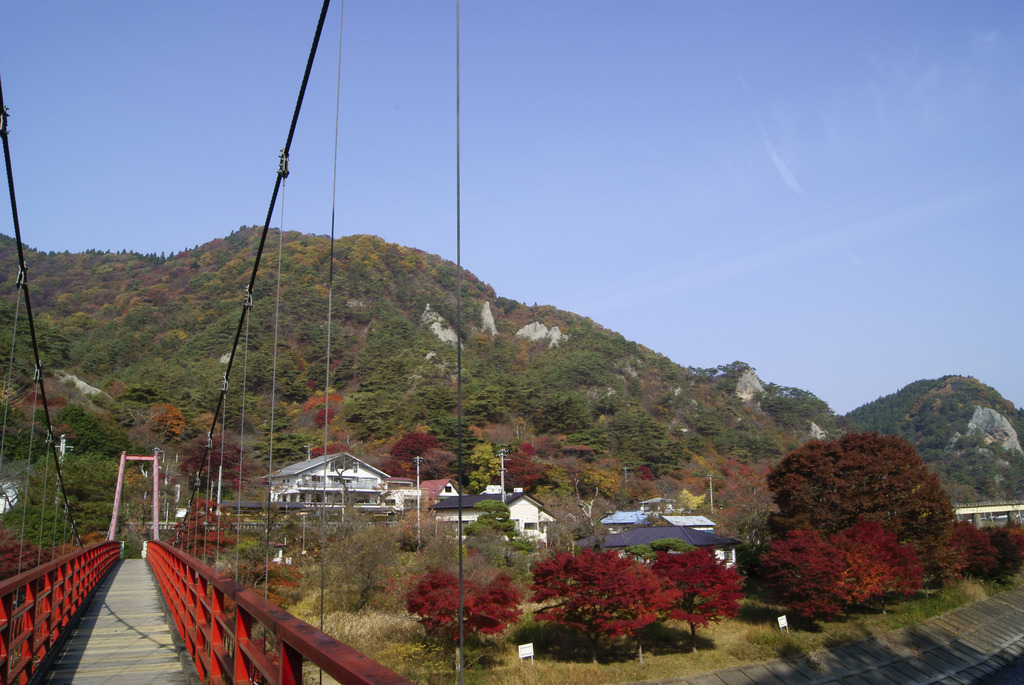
{"points": [[530, 517], [334, 479], [401, 494]]}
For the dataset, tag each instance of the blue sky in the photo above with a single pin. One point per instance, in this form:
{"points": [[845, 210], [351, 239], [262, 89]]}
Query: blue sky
{"points": [[828, 191]]}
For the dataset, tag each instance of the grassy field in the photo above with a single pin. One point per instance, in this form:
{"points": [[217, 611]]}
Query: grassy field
{"points": [[562, 657]]}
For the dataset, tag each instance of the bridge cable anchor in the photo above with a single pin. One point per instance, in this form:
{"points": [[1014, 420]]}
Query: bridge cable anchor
{"points": [[282, 169]]}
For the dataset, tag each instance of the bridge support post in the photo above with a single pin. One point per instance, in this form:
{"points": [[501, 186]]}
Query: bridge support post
{"points": [[156, 493], [976, 520]]}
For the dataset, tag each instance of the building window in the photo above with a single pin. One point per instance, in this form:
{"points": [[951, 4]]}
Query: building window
{"points": [[530, 525]]}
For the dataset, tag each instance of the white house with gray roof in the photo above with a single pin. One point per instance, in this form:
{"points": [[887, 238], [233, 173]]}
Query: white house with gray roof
{"points": [[336, 480]]}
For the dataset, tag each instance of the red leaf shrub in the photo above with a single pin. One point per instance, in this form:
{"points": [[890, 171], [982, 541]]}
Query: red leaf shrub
{"points": [[702, 588], [599, 594]]}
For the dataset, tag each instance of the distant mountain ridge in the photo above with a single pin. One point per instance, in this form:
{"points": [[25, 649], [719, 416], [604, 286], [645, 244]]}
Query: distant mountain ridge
{"points": [[963, 428], [152, 331]]}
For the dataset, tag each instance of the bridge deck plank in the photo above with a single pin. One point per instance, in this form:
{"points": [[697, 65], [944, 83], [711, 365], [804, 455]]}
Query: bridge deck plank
{"points": [[123, 637]]}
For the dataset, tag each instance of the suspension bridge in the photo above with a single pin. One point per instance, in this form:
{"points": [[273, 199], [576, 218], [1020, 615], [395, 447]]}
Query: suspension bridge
{"points": [[93, 617]]}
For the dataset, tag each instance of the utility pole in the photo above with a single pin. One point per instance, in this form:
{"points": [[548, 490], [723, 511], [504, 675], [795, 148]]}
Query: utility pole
{"points": [[419, 493], [64, 447], [711, 491], [502, 453]]}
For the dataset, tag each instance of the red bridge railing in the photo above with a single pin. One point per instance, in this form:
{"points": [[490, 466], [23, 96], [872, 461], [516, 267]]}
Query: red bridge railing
{"points": [[37, 606], [235, 636]]}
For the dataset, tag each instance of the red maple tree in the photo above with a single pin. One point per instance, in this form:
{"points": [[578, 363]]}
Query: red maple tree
{"points": [[701, 587], [976, 552], [16, 555], [829, 485], [599, 594], [805, 574], [487, 608], [1008, 545], [877, 565], [401, 462]]}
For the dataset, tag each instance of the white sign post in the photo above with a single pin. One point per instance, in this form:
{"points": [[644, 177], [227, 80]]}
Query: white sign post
{"points": [[783, 624], [526, 651]]}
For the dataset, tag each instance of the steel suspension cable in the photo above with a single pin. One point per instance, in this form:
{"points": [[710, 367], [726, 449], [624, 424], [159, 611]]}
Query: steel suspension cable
{"points": [[8, 388], [273, 397], [28, 475], [220, 471], [241, 433], [330, 309], [23, 280], [42, 511], [282, 172], [458, 321]]}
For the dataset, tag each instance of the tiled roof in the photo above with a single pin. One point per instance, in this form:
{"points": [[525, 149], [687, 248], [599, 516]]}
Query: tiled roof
{"points": [[318, 462], [449, 503], [645, 535]]}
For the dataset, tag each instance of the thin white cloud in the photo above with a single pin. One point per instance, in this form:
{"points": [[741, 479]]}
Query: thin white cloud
{"points": [[782, 167]]}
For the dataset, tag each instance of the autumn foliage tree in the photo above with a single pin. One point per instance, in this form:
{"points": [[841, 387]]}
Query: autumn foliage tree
{"points": [[975, 551], [828, 485], [488, 608], [16, 555], [1009, 545], [403, 453], [988, 553], [805, 574], [598, 594], [877, 565], [702, 588]]}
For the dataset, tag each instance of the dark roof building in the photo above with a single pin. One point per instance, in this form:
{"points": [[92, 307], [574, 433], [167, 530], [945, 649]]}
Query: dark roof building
{"points": [[645, 535]]}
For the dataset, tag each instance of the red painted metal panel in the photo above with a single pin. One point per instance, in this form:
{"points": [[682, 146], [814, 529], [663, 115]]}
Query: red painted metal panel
{"points": [[231, 630], [36, 606]]}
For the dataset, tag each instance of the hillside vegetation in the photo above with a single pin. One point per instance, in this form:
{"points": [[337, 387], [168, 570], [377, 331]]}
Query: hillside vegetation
{"points": [[603, 415], [935, 416], [151, 332]]}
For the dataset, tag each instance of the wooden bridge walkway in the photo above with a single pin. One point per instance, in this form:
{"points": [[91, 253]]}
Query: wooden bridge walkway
{"points": [[123, 636]]}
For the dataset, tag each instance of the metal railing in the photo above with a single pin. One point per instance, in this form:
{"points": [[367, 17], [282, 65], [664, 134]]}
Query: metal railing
{"points": [[37, 606], [235, 636]]}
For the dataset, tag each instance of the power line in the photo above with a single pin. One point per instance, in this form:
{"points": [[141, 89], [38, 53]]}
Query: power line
{"points": [[281, 174], [23, 284]]}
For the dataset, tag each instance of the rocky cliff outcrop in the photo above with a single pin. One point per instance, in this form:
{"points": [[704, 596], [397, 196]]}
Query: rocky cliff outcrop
{"points": [[993, 428], [487, 320], [438, 326], [537, 331], [748, 386]]}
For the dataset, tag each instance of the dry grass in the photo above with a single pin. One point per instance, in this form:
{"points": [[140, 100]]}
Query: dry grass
{"points": [[561, 657]]}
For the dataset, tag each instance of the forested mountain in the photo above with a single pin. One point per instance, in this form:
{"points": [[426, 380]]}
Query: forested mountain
{"points": [[135, 348], [151, 333], [962, 428]]}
